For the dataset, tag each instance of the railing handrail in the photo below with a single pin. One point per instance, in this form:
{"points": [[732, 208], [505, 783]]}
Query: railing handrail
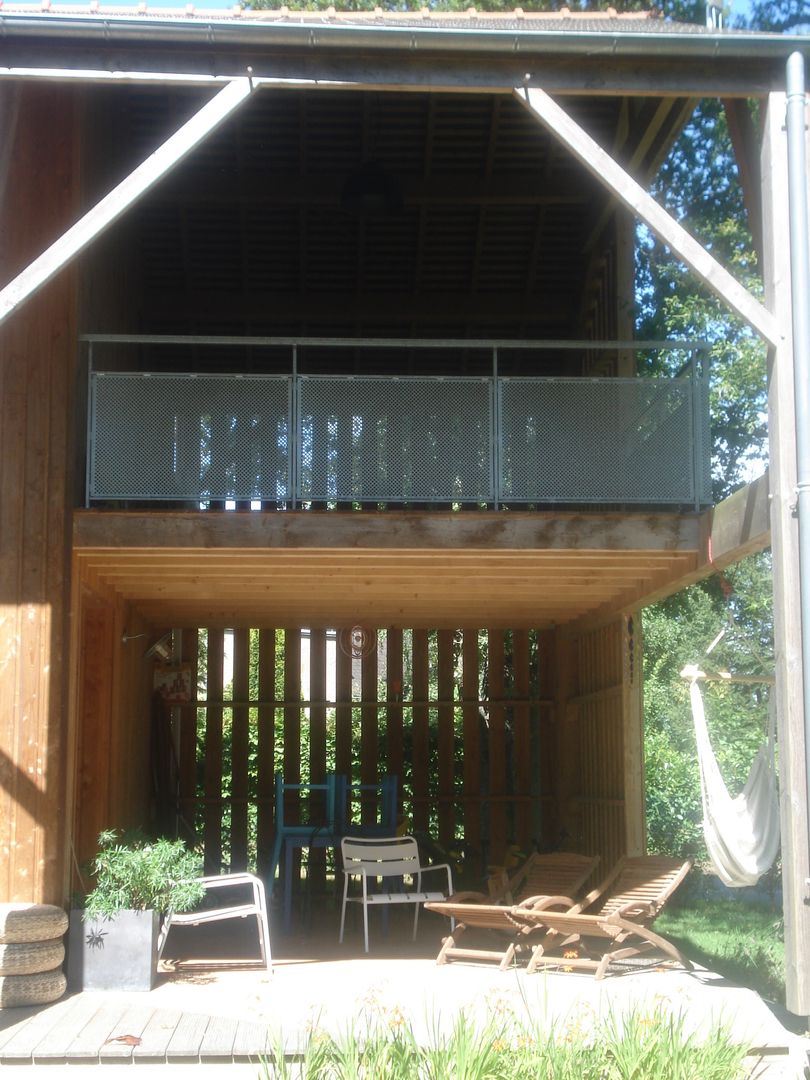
{"points": [[673, 345]]}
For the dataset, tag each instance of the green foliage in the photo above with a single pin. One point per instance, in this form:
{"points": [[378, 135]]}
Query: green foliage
{"points": [[742, 941], [133, 873], [678, 632], [507, 1048]]}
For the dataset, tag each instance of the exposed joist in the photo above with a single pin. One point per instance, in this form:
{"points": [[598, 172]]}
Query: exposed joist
{"points": [[293, 189], [671, 232]]}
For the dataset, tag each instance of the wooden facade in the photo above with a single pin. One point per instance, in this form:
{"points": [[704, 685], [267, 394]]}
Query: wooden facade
{"points": [[508, 663]]}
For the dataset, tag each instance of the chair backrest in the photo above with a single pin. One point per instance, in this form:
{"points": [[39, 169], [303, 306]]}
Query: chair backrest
{"points": [[382, 794], [392, 856], [316, 804], [643, 879], [554, 873]]}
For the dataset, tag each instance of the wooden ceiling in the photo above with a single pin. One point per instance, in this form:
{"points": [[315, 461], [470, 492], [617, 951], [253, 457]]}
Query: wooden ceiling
{"points": [[412, 570], [496, 232]]}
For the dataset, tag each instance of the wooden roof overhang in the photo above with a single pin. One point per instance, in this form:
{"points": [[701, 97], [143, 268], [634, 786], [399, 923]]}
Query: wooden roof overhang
{"points": [[418, 569]]}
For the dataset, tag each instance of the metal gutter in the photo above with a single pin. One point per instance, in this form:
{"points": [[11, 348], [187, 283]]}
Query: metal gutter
{"points": [[800, 291], [320, 34]]}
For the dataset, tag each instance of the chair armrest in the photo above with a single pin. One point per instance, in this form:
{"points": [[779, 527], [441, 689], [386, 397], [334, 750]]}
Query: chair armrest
{"points": [[439, 866], [543, 903], [219, 880], [635, 909]]}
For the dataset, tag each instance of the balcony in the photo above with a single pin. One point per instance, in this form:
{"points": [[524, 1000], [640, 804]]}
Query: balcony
{"points": [[302, 440]]}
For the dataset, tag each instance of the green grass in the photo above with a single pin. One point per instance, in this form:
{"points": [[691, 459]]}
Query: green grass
{"points": [[743, 942]]}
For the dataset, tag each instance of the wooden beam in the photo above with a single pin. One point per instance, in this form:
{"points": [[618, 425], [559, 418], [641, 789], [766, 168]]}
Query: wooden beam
{"points": [[123, 196], [417, 71], [397, 530], [746, 144], [604, 167]]}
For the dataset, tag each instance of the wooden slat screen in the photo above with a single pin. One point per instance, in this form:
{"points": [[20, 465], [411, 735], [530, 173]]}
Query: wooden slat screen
{"points": [[463, 719], [600, 703]]}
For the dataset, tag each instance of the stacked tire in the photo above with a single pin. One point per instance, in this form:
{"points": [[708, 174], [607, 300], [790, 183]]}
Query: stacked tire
{"points": [[31, 954]]}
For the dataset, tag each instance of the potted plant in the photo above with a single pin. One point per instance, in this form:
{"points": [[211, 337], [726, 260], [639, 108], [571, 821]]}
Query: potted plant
{"points": [[113, 939]]}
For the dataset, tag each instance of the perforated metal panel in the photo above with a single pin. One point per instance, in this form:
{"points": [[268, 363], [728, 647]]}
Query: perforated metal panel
{"points": [[395, 439], [601, 440], [379, 439], [190, 437]]}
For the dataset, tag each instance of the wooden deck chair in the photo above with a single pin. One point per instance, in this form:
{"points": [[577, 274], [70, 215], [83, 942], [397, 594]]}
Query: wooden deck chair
{"points": [[611, 923], [543, 881]]}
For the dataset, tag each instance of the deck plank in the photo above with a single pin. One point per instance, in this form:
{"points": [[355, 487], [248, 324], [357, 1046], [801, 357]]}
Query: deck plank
{"points": [[219, 1038], [187, 1037], [88, 1039], [157, 1035], [31, 1030], [11, 1020], [132, 1024], [252, 1041]]}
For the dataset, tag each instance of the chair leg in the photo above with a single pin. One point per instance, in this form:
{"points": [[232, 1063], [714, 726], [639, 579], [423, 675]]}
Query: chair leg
{"points": [[365, 923], [343, 910], [450, 943], [415, 920]]}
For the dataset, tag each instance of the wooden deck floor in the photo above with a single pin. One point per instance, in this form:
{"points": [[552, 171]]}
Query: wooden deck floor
{"points": [[199, 1017]]}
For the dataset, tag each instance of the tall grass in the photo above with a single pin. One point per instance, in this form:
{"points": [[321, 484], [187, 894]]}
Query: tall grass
{"points": [[640, 1046]]}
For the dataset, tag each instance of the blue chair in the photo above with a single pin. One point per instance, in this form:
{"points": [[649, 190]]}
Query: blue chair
{"points": [[384, 793], [321, 831]]}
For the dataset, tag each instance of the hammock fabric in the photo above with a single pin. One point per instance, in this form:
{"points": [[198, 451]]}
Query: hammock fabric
{"points": [[742, 834]]}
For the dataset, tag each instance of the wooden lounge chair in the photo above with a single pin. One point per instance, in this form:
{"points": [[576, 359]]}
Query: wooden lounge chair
{"points": [[543, 881], [611, 923]]}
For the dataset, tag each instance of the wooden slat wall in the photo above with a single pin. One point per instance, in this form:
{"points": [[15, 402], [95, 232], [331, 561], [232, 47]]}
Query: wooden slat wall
{"points": [[599, 704], [471, 770]]}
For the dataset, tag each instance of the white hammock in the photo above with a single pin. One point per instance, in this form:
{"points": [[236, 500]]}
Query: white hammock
{"points": [[742, 834]]}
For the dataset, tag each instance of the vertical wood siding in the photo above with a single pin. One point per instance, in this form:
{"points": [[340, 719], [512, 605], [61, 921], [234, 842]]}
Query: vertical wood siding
{"points": [[599, 703], [37, 378]]}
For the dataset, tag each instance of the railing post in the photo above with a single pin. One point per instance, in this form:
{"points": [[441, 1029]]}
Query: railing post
{"points": [[495, 427], [696, 428], [295, 448], [91, 412]]}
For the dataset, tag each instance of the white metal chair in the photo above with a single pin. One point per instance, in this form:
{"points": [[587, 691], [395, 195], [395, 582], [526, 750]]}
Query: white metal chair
{"points": [[256, 906], [376, 858]]}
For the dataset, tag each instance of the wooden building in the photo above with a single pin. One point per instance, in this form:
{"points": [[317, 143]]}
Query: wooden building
{"points": [[314, 322]]}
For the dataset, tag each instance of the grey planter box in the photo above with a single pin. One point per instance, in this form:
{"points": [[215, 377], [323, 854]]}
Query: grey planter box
{"points": [[113, 954]]}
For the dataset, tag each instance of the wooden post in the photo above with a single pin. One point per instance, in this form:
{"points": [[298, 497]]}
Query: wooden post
{"points": [[784, 543], [37, 372], [266, 751], [214, 808], [633, 722]]}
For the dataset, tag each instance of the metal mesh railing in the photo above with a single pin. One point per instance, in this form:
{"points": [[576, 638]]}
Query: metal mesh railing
{"points": [[300, 439], [601, 440], [190, 437], [395, 439]]}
